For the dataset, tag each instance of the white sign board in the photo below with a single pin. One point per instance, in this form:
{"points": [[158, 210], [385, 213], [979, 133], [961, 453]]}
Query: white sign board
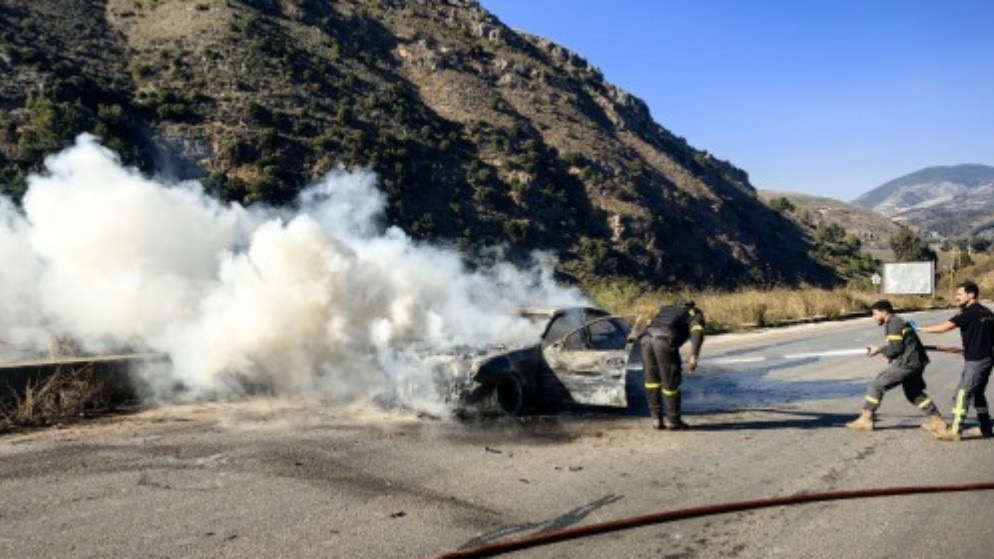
{"points": [[875, 278], [909, 278]]}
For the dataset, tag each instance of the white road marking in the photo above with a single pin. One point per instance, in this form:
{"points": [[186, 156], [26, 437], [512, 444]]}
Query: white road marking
{"points": [[732, 360], [758, 358], [836, 353]]}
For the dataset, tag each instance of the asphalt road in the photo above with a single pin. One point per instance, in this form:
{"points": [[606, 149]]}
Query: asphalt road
{"points": [[277, 478]]}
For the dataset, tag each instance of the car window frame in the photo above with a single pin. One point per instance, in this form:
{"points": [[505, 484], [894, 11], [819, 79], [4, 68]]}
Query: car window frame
{"points": [[561, 342]]}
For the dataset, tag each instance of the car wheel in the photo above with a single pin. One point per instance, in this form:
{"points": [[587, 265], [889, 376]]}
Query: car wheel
{"points": [[510, 395]]}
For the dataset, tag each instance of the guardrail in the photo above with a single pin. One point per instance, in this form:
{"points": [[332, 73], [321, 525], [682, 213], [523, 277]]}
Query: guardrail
{"points": [[825, 318]]}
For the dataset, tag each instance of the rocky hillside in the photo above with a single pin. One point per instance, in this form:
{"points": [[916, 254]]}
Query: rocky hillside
{"points": [[954, 201], [481, 135], [874, 230]]}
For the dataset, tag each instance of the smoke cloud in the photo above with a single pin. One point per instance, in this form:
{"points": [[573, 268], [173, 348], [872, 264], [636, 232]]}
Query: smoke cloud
{"points": [[322, 299]]}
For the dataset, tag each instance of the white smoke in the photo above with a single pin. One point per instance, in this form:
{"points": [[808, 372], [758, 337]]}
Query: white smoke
{"points": [[20, 309], [320, 300]]}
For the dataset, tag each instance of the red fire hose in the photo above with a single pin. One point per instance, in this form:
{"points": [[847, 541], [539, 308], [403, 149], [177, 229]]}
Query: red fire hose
{"points": [[497, 548], [943, 349], [545, 538]]}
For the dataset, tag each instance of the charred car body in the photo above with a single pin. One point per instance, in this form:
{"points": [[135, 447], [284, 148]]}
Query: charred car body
{"points": [[581, 358]]}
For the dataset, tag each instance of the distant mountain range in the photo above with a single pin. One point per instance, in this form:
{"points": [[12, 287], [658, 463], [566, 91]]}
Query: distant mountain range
{"points": [[951, 201]]}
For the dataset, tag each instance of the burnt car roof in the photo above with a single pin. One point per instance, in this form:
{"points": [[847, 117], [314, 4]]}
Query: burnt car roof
{"points": [[551, 312], [584, 315]]}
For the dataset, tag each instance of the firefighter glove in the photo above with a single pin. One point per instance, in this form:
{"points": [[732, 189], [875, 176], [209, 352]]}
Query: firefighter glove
{"points": [[872, 350], [692, 363]]}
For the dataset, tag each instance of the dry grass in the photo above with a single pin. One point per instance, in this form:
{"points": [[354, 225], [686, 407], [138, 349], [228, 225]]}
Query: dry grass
{"points": [[65, 395], [731, 311], [981, 271]]}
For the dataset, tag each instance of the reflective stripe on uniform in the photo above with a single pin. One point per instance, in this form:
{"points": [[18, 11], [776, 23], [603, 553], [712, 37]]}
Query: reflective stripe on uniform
{"points": [[894, 338], [959, 411], [696, 327], [652, 385], [983, 411], [925, 403], [671, 392], [872, 400]]}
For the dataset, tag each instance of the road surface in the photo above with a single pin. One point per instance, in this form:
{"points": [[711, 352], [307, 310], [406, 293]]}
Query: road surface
{"points": [[278, 478]]}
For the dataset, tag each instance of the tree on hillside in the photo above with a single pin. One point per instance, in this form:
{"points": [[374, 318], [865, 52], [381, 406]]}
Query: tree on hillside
{"points": [[782, 204], [842, 251], [832, 233], [908, 246]]}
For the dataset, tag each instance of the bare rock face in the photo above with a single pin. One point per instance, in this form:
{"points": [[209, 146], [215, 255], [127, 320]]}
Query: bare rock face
{"points": [[481, 135]]}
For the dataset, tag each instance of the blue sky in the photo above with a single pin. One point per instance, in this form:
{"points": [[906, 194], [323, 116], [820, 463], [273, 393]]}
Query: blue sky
{"points": [[832, 98]]}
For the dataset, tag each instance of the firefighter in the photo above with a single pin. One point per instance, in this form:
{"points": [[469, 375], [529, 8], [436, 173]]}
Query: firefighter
{"points": [[976, 324], [660, 342], [907, 358]]}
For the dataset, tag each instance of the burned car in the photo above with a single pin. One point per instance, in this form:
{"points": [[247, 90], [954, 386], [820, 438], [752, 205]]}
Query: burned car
{"points": [[582, 358]]}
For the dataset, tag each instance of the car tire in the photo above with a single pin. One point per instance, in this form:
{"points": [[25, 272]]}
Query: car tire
{"points": [[509, 395]]}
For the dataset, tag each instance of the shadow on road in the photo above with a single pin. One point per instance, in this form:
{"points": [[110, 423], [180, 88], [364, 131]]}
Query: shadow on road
{"points": [[552, 525], [721, 389], [786, 419]]}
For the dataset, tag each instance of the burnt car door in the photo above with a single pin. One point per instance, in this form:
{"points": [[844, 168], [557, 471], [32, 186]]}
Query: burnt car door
{"points": [[590, 361]]}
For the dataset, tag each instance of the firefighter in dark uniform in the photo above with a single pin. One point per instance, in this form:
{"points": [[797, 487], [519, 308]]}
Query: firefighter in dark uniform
{"points": [[907, 358], [661, 339]]}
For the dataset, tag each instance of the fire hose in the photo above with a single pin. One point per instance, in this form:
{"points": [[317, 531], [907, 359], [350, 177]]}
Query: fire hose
{"points": [[545, 538], [943, 349]]}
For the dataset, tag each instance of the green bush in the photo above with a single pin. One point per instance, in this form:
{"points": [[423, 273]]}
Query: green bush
{"points": [[13, 183], [325, 143], [830, 233], [908, 247], [481, 175], [141, 71], [238, 151], [424, 226], [594, 253], [259, 113], [51, 126], [176, 112], [782, 205], [517, 229], [520, 189], [486, 196]]}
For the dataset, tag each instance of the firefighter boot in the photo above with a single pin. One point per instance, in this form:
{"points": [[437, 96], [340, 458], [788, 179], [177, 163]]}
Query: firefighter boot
{"points": [[673, 421], [949, 435], [935, 424], [984, 431], [864, 422]]}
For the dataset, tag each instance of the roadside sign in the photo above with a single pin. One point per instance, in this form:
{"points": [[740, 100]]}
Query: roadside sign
{"points": [[909, 278]]}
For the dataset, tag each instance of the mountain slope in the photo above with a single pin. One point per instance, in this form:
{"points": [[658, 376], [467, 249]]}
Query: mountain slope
{"points": [[480, 135], [871, 228], [951, 201]]}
